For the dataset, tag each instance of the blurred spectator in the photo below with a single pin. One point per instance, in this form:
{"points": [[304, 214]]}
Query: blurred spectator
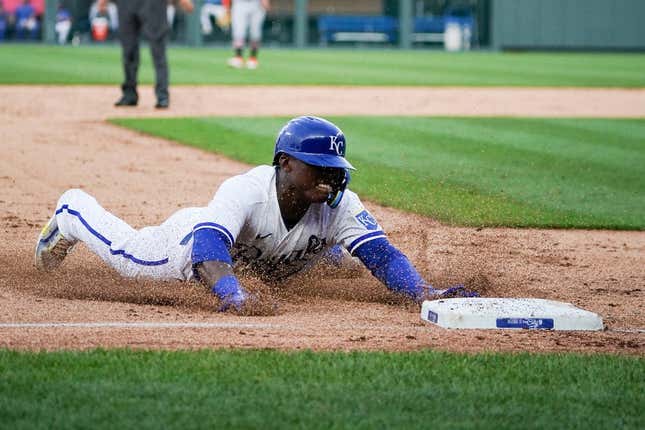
{"points": [[63, 24], [27, 24], [10, 6], [217, 10], [104, 21], [4, 22]]}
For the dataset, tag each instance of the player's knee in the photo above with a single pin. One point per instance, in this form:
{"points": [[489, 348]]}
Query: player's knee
{"points": [[73, 197], [73, 194]]}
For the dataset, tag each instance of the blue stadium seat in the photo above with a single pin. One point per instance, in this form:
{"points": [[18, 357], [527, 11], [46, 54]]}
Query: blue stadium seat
{"points": [[429, 24], [353, 28], [384, 29]]}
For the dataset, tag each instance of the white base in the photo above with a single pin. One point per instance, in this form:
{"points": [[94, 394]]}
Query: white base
{"points": [[498, 313]]}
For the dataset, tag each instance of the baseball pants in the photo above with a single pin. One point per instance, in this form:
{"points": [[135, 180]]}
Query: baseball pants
{"points": [[160, 252], [247, 16]]}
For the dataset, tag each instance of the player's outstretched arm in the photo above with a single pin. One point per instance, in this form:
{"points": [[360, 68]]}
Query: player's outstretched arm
{"points": [[392, 267], [212, 267], [219, 277]]}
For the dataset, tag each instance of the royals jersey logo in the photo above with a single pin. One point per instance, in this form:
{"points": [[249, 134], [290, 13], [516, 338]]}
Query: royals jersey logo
{"points": [[248, 258], [367, 220]]}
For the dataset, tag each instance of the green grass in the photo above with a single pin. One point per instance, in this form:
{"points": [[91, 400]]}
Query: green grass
{"points": [[42, 64], [583, 173], [269, 389]]}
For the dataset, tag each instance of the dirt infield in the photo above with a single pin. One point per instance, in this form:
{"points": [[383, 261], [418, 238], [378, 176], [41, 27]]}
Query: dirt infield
{"points": [[54, 138]]}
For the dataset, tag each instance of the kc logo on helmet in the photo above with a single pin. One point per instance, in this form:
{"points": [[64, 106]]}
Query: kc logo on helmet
{"points": [[336, 145]]}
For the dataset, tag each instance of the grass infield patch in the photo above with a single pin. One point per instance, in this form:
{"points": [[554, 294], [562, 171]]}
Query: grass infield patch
{"points": [[520, 172], [269, 389], [101, 64]]}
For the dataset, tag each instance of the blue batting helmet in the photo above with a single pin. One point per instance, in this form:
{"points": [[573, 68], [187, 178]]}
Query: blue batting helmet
{"points": [[314, 141]]}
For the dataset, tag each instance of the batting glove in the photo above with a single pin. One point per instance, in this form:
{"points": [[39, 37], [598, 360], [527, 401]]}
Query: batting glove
{"points": [[230, 292]]}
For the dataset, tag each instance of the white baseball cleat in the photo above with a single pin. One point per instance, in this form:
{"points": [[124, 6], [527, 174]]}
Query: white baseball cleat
{"points": [[252, 63], [52, 247], [235, 62]]}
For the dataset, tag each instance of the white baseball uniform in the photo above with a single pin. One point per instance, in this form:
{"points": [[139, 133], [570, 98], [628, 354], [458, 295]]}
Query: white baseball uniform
{"points": [[211, 8], [245, 209], [247, 16]]}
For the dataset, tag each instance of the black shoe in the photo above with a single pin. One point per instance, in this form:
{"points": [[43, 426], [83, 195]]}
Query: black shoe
{"points": [[162, 104], [126, 101]]}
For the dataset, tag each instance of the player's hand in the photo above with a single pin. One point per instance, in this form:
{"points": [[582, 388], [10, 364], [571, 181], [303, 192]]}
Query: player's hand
{"points": [[223, 21], [235, 299], [233, 302], [186, 6], [249, 305], [230, 293], [431, 293]]}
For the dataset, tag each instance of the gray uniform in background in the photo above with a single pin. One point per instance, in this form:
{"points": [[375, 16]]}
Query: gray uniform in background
{"points": [[147, 18]]}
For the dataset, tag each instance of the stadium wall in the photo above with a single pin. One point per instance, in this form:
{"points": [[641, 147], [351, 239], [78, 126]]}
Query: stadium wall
{"points": [[568, 24]]}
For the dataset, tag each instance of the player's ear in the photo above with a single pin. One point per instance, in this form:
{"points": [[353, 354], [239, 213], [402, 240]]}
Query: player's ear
{"points": [[283, 162]]}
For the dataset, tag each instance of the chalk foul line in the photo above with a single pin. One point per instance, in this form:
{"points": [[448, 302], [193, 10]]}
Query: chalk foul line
{"points": [[136, 325], [207, 325], [187, 325]]}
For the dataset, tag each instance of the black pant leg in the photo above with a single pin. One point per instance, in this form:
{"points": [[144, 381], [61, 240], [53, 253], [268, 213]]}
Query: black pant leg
{"points": [[129, 33], [155, 29]]}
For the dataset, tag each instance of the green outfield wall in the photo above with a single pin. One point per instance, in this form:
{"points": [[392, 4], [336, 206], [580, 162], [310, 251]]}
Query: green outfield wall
{"points": [[568, 24]]}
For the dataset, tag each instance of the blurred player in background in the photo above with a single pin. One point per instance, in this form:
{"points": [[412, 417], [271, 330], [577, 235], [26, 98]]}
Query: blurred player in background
{"points": [[103, 22], [219, 10], [272, 222], [247, 16], [63, 24], [148, 18]]}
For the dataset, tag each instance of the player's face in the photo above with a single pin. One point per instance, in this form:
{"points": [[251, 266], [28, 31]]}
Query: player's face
{"points": [[314, 183]]}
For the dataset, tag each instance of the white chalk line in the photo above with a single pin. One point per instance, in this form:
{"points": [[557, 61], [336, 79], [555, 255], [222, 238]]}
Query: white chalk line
{"points": [[208, 325], [137, 325], [204, 325]]}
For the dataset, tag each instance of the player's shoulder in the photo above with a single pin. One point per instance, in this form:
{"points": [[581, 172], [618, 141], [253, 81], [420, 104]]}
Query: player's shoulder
{"points": [[349, 206], [254, 185], [350, 202], [260, 176], [352, 213]]}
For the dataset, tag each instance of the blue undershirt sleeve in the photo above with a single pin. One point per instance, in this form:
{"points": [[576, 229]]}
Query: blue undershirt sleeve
{"points": [[210, 244], [391, 267]]}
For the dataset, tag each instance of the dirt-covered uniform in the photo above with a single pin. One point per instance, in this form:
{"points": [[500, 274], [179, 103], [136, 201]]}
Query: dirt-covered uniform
{"points": [[245, 209]]}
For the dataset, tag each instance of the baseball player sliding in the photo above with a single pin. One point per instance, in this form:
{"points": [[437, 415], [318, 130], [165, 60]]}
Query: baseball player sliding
{"points": [[273, 221]]}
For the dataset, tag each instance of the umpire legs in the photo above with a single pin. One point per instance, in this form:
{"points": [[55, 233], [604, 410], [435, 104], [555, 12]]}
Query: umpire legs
{"points": [[155, 30], [158, 51], [147, 17], [129, 29]]}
